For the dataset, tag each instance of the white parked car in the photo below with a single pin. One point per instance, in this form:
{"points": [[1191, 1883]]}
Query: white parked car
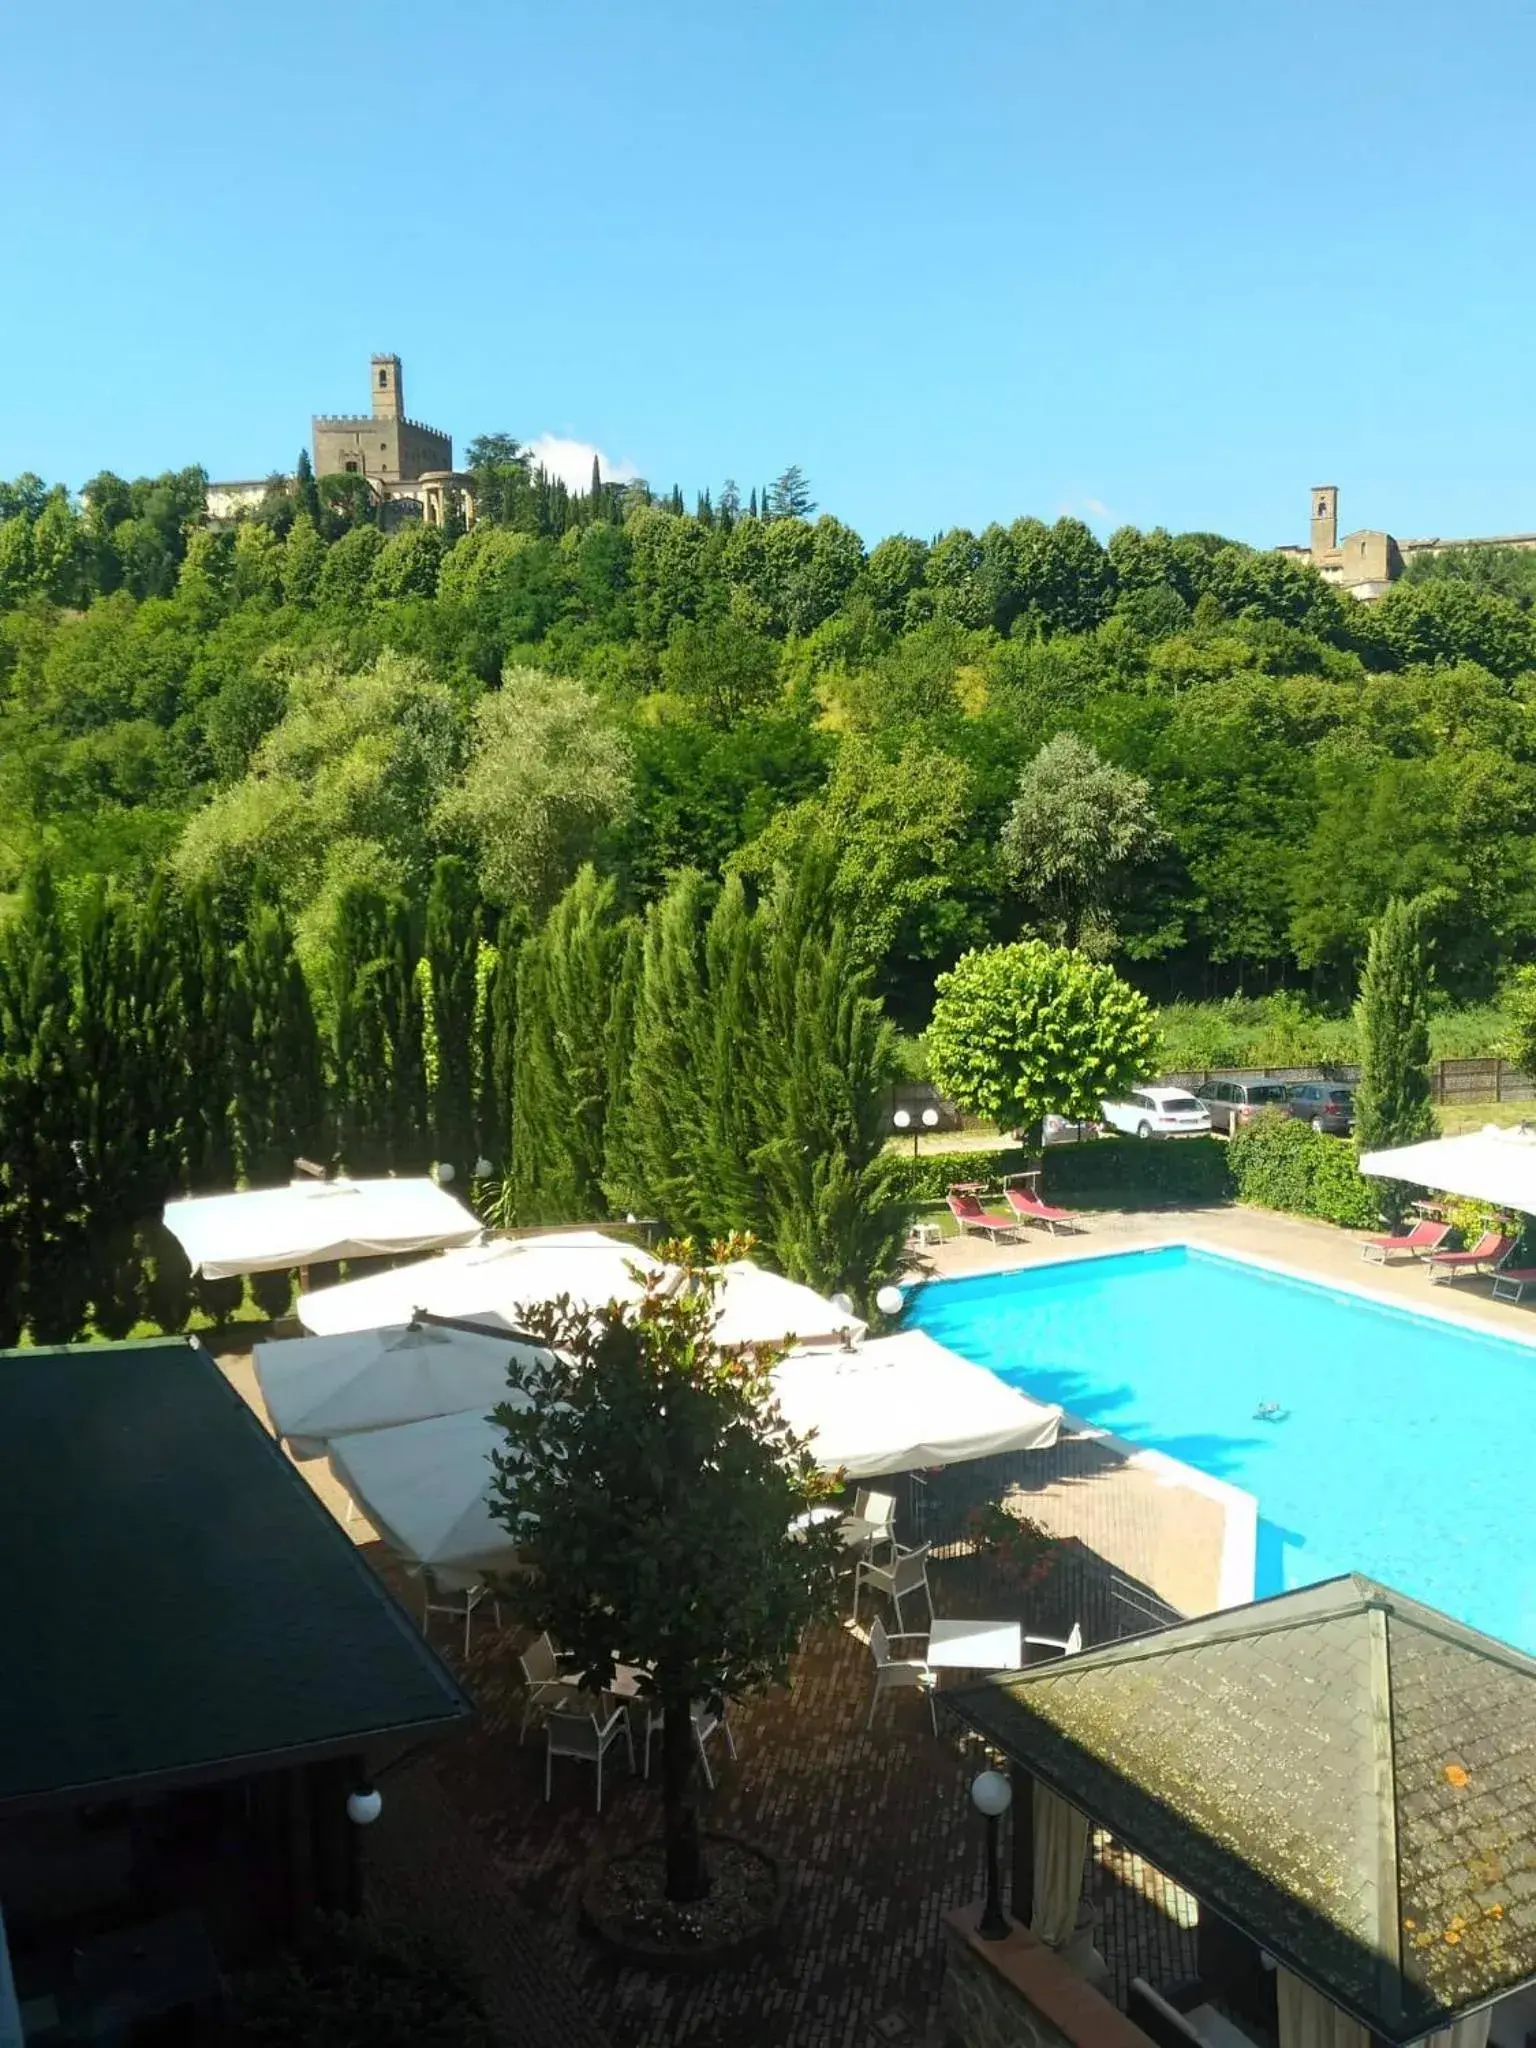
{"points": [[1158, 1113]]}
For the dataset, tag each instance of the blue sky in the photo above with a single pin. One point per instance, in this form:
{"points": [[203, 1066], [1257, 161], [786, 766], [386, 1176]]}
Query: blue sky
{"points": [[1165, 261]]}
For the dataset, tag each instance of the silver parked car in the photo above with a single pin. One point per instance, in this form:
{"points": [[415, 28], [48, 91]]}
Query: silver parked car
{"points": [[1237, 1102]]}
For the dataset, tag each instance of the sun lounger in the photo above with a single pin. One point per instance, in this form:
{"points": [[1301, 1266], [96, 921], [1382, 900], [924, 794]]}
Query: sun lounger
{"points": [[1510, 1283], [1491, 1249], [970, 1215], [1029, 1208], [1424, 1237]]}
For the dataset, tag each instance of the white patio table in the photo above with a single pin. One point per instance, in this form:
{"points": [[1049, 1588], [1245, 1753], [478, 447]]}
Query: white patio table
{"points": [[976, 1645]]}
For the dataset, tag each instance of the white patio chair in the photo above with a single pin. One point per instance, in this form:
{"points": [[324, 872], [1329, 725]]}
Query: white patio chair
{"points": [[872, 1523], [1068, 1645], [464, 1591], [900, 1579], [705, 1724], [569, 1732], [893, 1674], [548, 1685]]}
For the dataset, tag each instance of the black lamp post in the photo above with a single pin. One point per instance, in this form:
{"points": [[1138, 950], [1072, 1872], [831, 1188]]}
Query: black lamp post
{"points": [[992, 1795], [903, 1122]]}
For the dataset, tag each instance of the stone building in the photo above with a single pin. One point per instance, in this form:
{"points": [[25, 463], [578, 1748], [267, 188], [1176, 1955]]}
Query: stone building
{"points": [[1367, 563], [408, 466]]}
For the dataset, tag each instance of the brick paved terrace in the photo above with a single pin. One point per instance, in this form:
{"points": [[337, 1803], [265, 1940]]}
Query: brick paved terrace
{"points": [[874, 1829]]}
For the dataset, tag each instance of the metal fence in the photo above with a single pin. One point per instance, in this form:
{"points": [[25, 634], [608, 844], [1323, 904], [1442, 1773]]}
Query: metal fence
{"points": [[1453, 1081], [1491, 1080]]}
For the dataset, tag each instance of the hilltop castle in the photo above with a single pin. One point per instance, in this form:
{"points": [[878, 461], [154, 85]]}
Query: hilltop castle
{"points": [[408, 467], [1367, 563]]}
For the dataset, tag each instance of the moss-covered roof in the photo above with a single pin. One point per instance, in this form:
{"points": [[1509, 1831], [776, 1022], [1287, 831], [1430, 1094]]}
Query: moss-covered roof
{"points": [[178, 1603], [1346, 1775]]}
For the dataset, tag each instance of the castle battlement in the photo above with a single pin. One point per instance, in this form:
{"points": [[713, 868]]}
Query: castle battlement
{"points": [[363, 419]]}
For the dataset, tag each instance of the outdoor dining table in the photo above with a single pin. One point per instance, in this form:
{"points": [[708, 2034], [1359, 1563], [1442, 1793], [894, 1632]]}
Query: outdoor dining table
{"points": [[624, 1685], [976, 1646]]}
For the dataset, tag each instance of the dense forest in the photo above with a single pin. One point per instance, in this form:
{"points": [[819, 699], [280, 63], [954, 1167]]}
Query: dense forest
{"points": [[321, 838], [301, 701]]}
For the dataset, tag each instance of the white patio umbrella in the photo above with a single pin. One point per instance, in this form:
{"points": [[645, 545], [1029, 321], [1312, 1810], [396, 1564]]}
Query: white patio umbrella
{"points": [[426, 1488], [320, 1387], [1490, 1165], [498, 1280], [311, 1222], [904, 1402], [759, 1307]]}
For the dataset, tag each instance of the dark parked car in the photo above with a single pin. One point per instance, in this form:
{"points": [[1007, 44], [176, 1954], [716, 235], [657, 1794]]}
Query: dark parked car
{"points": [[1235, 1102], [1324, 1105]]}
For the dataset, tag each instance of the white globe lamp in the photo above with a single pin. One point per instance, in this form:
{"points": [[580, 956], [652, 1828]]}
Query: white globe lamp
{"points": [[890, 1301], [992, 1795], [364, 1806]]}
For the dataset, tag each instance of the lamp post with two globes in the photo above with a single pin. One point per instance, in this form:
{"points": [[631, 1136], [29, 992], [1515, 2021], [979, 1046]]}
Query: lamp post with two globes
{"points": [[903, 1121]]}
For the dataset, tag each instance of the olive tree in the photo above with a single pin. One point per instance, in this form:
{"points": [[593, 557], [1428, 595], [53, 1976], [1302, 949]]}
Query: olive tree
{"points": [[650, 1482], [1025, 1031]]}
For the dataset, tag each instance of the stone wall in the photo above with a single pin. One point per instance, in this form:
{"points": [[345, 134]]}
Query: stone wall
{"points": [[1016, 1993]]}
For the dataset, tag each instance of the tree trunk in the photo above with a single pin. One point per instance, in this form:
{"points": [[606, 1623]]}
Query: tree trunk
{"points": [[687, 1879]]}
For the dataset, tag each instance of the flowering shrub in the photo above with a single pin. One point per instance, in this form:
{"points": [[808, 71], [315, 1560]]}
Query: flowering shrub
{"points": [[1021, 1548]]}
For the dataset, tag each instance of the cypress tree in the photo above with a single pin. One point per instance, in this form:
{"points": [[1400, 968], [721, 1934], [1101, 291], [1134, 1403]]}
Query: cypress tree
{"points": [[453, 959], [206, 998], [162, 1037], [837, 1211], [1394, 1101], [409, 1128], [39, 1111], [360, 1041], [306, 491], [661, 1043], [729, 1193], [566, 980], [112, 1140], [623, 1172], [279, 1092], [498, 1041]]}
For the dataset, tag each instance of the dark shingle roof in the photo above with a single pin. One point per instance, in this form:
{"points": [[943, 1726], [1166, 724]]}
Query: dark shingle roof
{"points": [[176, 1598], [1344, 1774]]}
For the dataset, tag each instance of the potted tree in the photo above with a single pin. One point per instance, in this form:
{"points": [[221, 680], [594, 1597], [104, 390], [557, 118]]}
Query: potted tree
{"points": [[651, 1484]]}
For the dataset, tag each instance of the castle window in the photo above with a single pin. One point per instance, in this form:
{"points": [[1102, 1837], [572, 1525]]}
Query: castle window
{"points": [[1322, 509], [383, 379], [350, 467]]}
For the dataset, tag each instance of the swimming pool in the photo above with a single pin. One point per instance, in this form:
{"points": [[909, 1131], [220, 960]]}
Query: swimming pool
{"points": [[1404, 1447]]}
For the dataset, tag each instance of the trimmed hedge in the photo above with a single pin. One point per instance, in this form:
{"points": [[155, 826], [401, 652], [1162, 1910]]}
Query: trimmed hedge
{"points": [[1279, 1162], [930, 1177], [1137, 1173], [1100, 1173]]}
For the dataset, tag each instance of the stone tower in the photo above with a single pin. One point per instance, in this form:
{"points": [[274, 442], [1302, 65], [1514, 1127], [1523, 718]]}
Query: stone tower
{"points": [[1325, 519], [381, 444], [388, 388]]}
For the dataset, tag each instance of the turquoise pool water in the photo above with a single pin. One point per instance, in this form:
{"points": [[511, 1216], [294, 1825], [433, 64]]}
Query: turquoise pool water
{"points": [[1404, 1448]]}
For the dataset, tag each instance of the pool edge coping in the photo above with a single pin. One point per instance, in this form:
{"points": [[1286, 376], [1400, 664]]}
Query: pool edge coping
{"points": [[1237, 1567]]}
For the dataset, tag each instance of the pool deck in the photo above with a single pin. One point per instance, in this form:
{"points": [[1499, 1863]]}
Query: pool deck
{"points": [[1187, 1536], [1311, 1251]]}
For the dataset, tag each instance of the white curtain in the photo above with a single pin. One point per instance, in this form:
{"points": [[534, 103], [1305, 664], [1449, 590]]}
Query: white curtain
{"points": [[1472, 2032], [1308, 2020], [1061, 1843]]}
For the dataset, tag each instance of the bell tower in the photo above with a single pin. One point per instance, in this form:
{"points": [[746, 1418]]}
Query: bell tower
{"points": [[388, 388], [1325, 519]]}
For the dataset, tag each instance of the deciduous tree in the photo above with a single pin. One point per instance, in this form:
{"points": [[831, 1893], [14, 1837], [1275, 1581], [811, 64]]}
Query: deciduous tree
{"points": [[650, 1484], [1027, 1031]]}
